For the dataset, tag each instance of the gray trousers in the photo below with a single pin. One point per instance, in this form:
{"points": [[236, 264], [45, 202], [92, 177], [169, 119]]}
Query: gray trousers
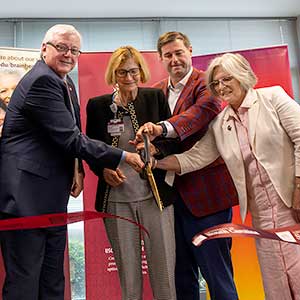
{"points": [[125, 239]]}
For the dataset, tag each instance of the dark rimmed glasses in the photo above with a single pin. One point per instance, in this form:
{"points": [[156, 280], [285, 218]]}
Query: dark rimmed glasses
{"points": [[123, 73], [62, 48]]}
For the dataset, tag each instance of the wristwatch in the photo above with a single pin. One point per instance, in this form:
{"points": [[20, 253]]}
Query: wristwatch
{"points": [[164, 129]]}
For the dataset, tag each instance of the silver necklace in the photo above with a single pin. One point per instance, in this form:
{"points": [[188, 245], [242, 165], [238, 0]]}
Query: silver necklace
{"points": [[120, 101]]}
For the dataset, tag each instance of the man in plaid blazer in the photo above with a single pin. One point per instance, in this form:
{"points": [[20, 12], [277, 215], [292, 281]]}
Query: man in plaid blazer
{"points": [[205, 196]]}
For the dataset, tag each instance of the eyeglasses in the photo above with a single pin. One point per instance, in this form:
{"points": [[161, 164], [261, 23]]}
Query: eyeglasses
{"points": [[62, 48], [225, 81], [123, 73]]}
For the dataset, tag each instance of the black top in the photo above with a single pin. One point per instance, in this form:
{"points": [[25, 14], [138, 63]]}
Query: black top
{"points": [[150, 106]]}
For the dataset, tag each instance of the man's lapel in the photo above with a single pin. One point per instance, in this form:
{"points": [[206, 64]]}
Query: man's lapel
{"points": [[73, 97]]}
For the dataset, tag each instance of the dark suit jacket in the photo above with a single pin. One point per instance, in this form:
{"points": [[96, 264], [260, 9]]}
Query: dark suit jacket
{"points": [[39, 143], [150, 105], [211, 189]]}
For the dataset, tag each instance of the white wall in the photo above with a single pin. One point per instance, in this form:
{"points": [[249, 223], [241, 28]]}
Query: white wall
{"points": [[208, 35]]}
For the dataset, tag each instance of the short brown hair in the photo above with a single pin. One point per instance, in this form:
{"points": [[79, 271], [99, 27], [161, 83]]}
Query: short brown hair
{"points": [[172, 36], [118, 57]]}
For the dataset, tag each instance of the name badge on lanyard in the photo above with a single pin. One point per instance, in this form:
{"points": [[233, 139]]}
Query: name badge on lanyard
{"points": [[115, 127]]}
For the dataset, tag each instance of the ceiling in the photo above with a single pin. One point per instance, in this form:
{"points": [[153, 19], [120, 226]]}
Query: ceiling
{"points": [[149, 9]]}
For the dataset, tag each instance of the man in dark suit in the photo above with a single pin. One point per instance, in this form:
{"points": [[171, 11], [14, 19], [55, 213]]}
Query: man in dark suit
{"points": [[40, 152], [207, 195]]}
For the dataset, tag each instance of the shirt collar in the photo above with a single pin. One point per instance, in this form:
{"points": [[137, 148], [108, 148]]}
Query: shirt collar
{"points": [[246, 104], [182, 82]]}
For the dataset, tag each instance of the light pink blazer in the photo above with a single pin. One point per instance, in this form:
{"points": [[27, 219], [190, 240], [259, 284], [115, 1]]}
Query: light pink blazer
{"points": [[274, 132]]}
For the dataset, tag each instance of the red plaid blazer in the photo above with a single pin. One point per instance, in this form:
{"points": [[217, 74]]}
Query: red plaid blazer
{"points": [[211, 189]]}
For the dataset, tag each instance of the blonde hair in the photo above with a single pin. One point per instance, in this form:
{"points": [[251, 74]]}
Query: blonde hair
{"points": [[235, 65], [118, 57]]}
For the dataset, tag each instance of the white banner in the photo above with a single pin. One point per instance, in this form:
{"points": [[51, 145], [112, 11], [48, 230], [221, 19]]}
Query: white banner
{"points": [[14, 63]]}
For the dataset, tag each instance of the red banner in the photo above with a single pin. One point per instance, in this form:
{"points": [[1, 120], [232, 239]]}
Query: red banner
{"points": [[271, 65], [272, 68]]}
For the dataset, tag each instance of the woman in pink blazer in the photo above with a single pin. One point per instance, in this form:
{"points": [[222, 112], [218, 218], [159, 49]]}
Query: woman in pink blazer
{"points": [[258, 136]]}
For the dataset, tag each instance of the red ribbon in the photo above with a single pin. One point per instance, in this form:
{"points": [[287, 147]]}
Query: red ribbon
{"points": [[60, 219], [289, 234]]}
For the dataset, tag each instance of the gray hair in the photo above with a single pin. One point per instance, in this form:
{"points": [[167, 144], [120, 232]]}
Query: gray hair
{"points": [[235, 65], [60, 29], [17, 72]]}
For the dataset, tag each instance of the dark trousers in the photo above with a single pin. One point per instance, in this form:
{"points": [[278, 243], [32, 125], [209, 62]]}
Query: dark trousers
{"points": [[34, 264], [213, 257]]}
